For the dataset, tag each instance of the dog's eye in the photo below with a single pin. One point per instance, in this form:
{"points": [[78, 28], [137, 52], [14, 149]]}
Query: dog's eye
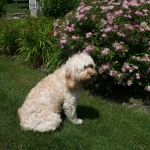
{"points": [[89, 66]]}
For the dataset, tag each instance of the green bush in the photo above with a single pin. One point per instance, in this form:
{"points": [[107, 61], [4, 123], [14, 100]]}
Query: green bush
{"points": [[38, 45], [57, 8], [9, 34], [2, 7], [31, 39]]}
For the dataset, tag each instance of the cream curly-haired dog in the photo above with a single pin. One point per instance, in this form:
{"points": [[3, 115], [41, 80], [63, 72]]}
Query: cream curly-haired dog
{"points": [[61, 89]]}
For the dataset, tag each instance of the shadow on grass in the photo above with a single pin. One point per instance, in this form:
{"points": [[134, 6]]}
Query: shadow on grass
{"points": [[122, 94], [87, 112], [84, 112]]}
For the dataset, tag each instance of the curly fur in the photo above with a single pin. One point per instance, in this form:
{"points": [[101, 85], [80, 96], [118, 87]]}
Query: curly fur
{"points": [[59, 90]]}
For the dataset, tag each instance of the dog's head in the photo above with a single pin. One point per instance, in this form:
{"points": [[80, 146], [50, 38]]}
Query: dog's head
{"points": [[80, 69]]}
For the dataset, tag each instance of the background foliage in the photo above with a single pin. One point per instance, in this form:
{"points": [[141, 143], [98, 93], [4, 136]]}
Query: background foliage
{"points": [[32, 40], [57, 8], [2, 7]]}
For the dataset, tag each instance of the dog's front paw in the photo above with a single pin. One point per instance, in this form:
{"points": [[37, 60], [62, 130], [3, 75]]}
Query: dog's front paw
{"points": [[79, 121]]}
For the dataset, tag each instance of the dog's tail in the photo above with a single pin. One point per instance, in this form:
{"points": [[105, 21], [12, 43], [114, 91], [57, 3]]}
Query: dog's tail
{"points": [[19, 112]]}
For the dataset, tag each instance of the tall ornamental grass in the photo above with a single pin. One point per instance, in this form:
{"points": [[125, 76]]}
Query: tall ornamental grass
{"points": [[2, 7], [31, 39], [37, 45], [9, 33], [116, 34]]}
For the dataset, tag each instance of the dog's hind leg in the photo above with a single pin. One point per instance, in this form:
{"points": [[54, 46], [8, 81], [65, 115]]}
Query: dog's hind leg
{"points": [[51, 122]]}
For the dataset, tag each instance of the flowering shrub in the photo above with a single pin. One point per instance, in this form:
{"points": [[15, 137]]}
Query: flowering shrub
{"points": [[116, 34]]}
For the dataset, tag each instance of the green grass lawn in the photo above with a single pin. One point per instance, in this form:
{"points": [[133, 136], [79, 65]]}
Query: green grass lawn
{"points": [[107, 125], [22, 7]]}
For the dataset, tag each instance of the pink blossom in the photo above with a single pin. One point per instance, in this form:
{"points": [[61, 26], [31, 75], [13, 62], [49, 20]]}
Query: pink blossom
{"points": [[131, 70], [88, 49], [55, 33], [55, 24], [108, 29], [147, 88], [110, 17], [125, 4], [105, 51], [67, 22], [137, 76], [140, 83], [145, 10], [69, 14], [79, 17], [125, 67], [142, 1], [89, 34], [88, 8], [66, 28], [117, 46], [103, 22], [63, 41], [112, 72], [134, 3], [129, 83], [128, 26], [119, 75], [71, 29], [104, 35], [144, 26], [139, 13], [135, 67], [82, 10], [138, 58], [105, 66], [75, 37], [118, 13], [101, 70], [116, 26], [128, 16], [96, 85], [120, 33], [110, 7]]}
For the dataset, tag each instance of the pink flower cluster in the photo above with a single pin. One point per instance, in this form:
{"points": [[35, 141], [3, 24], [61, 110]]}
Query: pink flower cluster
{"points": [[118, 45], [126, 67], [105, 51], [88, 49], [81, 11]]}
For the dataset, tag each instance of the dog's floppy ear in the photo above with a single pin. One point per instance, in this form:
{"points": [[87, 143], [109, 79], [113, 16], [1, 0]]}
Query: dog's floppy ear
{"points": [[70, 79]]}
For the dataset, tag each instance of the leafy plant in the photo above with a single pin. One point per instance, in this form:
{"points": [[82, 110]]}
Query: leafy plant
{"points": [[2, 7], [37, 44], [57, 8], [9, 34], [116, 34], [31, 39]]}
